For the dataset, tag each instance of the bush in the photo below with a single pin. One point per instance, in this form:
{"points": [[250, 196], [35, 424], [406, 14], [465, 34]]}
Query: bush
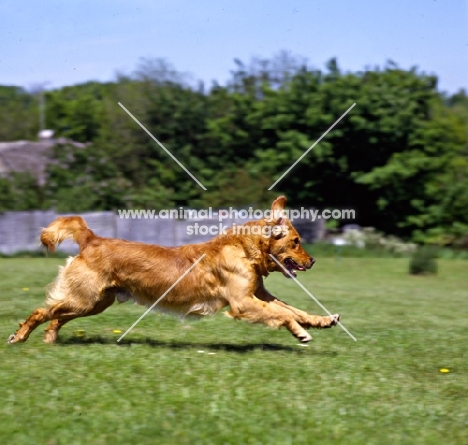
{"points": [[373, 240], [424, 261]]}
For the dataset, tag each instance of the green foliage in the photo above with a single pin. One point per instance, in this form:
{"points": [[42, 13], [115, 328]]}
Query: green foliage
{"points": [[77, 119], [19, 114], [399, 158], [422, 190], [424, 261], [81, 179], [19, 191]]}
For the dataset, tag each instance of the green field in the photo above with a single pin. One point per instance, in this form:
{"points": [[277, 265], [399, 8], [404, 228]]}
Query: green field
{"points": [[218, 381]]}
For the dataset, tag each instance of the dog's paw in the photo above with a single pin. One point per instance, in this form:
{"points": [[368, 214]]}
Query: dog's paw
{"points": [[50, 337], [11, 339], [332, 320], [305, 338]]}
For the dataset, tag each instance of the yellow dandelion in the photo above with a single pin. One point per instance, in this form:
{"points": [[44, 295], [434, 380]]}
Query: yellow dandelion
{"points": [[25, 288], [117, 331], [80, 333], [444, 370]]}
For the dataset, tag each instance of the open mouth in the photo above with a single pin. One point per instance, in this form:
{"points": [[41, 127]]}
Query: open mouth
{"points": [[292, 266]]}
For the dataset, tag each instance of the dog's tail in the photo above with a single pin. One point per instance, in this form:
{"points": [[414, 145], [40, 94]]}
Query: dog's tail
{"points": [[66, 227]]}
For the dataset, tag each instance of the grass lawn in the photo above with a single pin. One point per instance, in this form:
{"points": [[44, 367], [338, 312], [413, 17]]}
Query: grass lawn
{"points": [[218, 381]]}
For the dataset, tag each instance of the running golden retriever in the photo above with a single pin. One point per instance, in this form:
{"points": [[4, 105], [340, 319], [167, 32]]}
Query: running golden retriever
{"points": [[229, 274]]}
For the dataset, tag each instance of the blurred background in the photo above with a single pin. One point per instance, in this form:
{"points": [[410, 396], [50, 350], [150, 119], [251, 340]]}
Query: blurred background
{"points": [[238, 91]]}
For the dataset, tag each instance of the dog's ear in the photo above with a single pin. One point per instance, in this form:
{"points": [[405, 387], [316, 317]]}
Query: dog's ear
{"points": [[277, 210], [279, 203]]}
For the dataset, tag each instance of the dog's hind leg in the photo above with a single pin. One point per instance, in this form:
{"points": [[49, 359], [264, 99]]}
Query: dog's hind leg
{"points": [[62, 316], [39, 316], [60, 313], [51, 331]]}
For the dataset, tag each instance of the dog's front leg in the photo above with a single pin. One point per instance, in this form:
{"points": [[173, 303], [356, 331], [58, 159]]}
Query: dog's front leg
{"points": [[256, 311], [305, 319]]}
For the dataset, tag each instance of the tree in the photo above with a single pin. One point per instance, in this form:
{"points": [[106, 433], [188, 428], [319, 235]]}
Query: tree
{"points": [[399, 158], [20, 191], [19, 114]]}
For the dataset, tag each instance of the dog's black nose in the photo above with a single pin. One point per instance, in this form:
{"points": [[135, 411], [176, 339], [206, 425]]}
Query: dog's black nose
{"points": [[311, 262]]}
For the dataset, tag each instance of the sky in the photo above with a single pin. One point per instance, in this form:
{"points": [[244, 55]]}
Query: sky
{"points": [[64, 42]]}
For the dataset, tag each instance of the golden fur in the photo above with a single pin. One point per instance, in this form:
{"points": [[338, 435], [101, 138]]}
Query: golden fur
{"points": [[231, 274]]}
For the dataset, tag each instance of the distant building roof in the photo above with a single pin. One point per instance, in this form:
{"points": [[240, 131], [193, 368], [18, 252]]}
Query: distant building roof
{"points": [[45, 134], [28, 156]]}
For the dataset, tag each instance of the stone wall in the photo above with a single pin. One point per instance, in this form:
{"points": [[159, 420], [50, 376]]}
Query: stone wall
{"points": [[20, 231]]}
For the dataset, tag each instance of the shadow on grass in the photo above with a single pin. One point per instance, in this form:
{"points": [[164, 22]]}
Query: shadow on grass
{"points": [[228, 347]]}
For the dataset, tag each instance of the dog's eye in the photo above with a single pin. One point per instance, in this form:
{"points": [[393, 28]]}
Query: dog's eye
{"points": [[296, 240]]}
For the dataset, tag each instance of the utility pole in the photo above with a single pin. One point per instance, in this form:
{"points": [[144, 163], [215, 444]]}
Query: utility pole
{"points": [[42, 111]]}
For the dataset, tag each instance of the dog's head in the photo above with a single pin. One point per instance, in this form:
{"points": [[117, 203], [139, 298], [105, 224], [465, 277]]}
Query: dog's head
{"points": [[285, 243]]}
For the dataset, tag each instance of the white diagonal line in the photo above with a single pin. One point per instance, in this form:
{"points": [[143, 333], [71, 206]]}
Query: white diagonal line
{"points": [[313, 145], [161, 297], [310, 295], [162, 146]]}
